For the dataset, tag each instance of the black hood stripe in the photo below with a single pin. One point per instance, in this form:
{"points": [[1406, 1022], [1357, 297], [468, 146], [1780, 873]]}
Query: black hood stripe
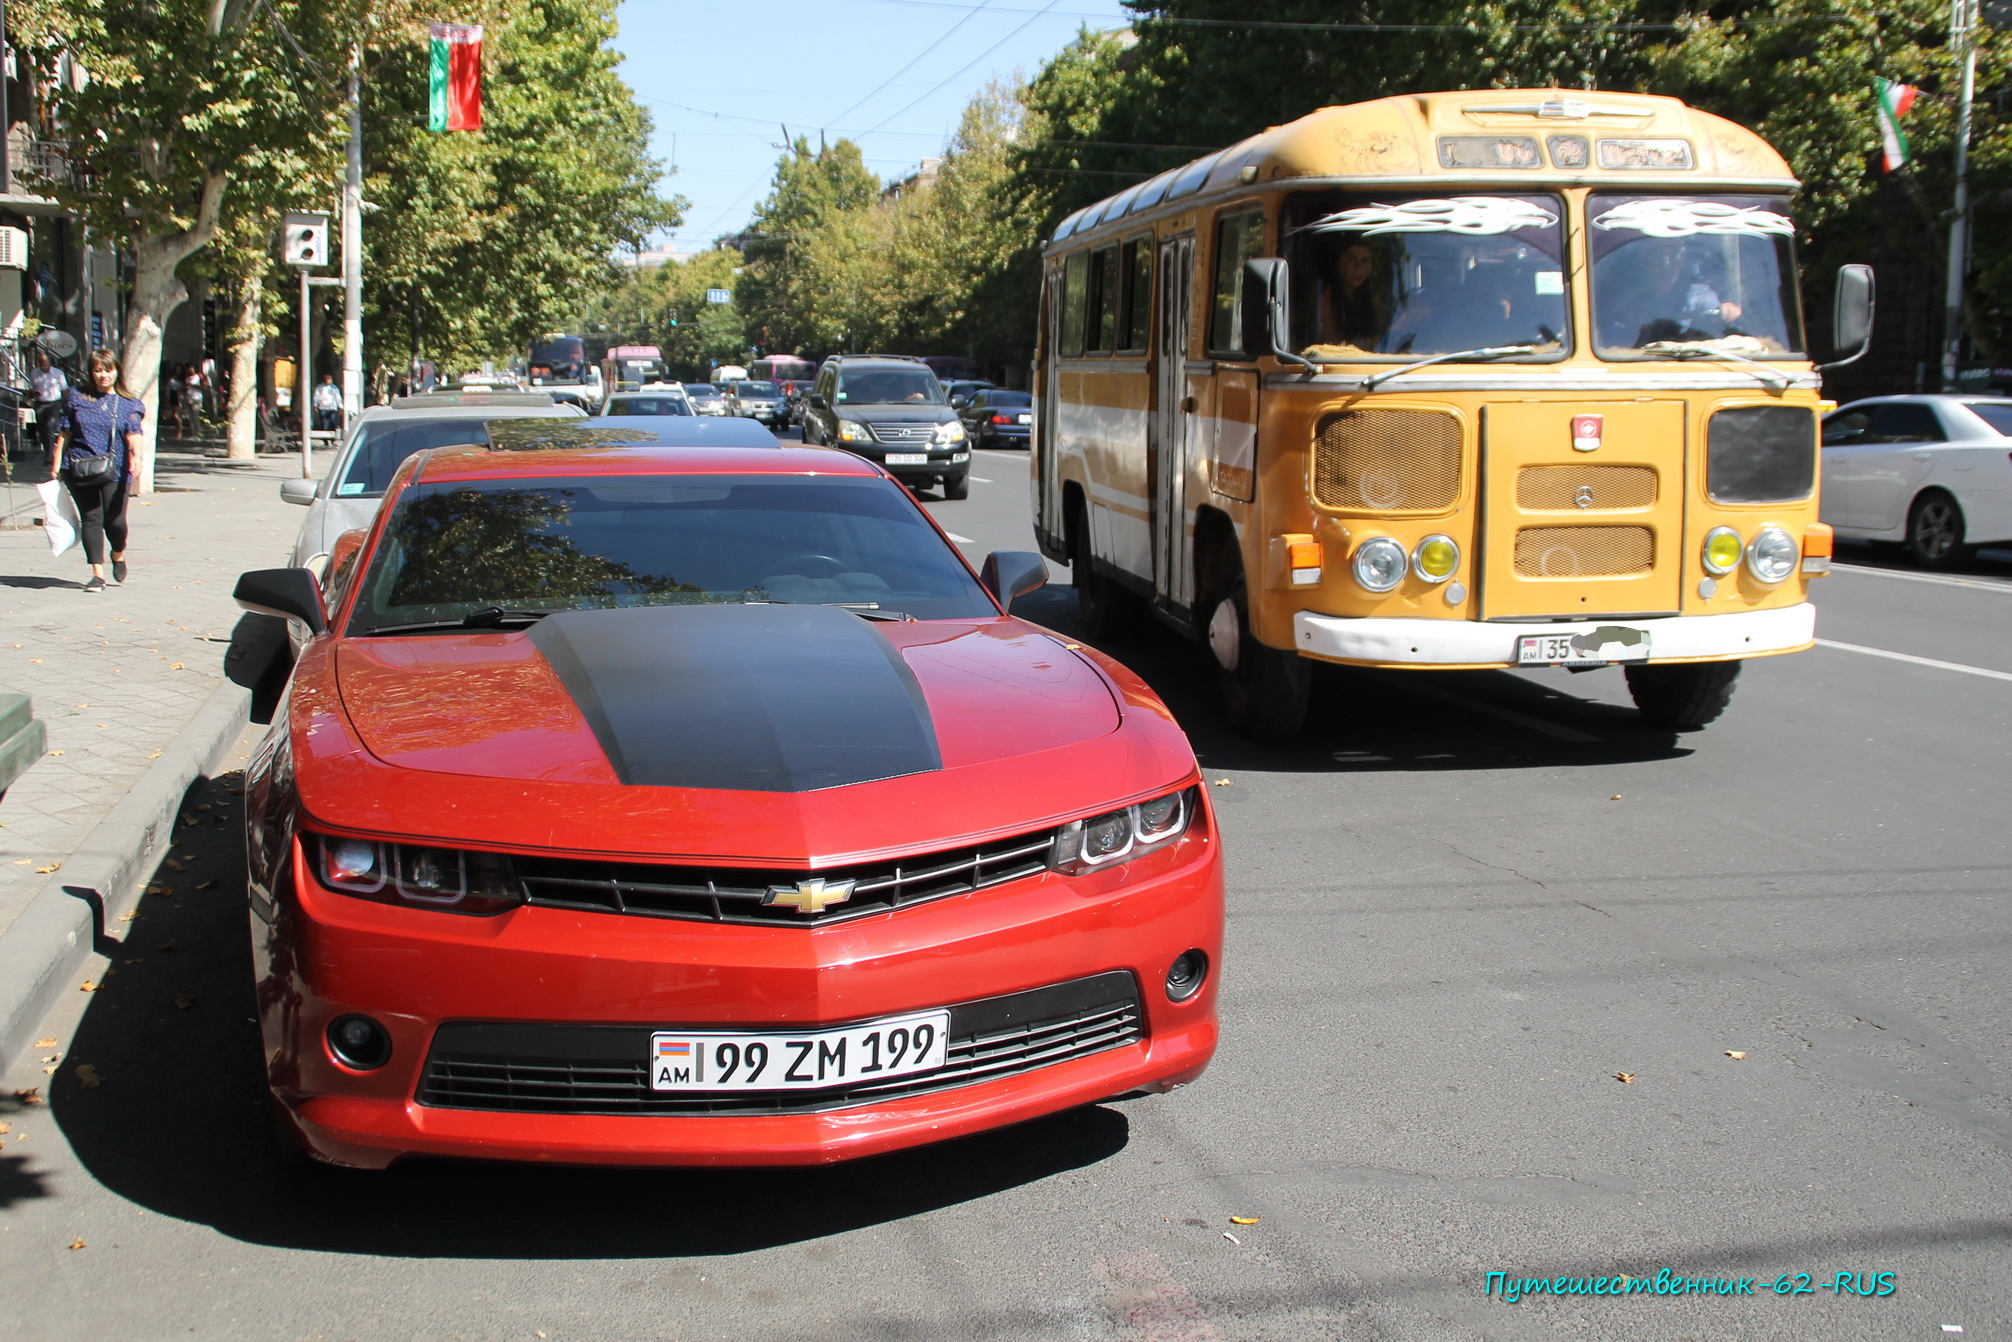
{"points": [[758, 698]]}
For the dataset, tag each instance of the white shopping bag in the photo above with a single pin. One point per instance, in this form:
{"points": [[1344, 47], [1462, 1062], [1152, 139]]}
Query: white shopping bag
{"points": [[59, 515]]}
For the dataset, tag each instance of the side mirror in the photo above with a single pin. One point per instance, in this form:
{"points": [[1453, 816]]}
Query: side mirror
{"points": [[298, 491], [816, 401], [1013, 573], [1851, 320], [1264, 316], [289, 593], [958, 402]]}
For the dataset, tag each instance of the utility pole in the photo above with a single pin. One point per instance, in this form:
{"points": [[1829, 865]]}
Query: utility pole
{"points": [[352, 248], [1963, 41]]}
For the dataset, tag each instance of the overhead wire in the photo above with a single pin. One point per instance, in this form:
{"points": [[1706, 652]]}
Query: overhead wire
{"points": [[911, 65], [967, 65]]}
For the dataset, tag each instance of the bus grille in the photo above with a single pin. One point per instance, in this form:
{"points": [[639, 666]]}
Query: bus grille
{"points": [[1584, 552], [1760, 454], [1387, 461], [1590, 488]]}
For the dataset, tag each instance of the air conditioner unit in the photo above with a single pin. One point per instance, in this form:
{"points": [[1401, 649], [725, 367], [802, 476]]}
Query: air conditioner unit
{"points": [[13, 249]]}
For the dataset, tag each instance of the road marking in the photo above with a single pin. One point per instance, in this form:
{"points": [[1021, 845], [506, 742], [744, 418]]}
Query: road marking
{"points": [[1505, 714], [1974, 584], [961, 540], [1918, 661], [997, 455]]}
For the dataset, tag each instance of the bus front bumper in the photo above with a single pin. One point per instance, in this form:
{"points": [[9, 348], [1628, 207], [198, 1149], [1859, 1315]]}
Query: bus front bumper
{"points": [[1472, 643]]}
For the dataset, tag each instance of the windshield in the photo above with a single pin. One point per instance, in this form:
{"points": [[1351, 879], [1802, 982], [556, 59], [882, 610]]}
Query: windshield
{"points": [[1392, 274], [649, 405], [1677, 271], [890, 386], [702, 390], [381, 447], [757, 389], [544, 545]]}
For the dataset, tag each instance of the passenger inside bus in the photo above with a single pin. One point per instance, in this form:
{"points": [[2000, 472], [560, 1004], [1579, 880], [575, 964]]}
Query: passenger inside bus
{"points": [[1694, 273]]}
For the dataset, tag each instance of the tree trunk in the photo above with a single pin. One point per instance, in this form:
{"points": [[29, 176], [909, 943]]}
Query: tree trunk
{"points": [[244, 346], [157, 292]]}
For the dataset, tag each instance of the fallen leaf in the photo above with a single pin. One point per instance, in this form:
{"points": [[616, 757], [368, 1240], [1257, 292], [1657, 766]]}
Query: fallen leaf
{"points": [[188, 819], [53, 1057], [83, 705], [53, 866], [50, 1042], [55, 752], [23, 861], [1231, 1238], [1736, 1054], [1223, 782], [127, 917], [172, 865], [1244, 1220], [176, 667], [1625, 1078], [1615, 797], [156, 755], [87, 987], [48, 1071], [185, 1000], [6, 1128], [204, 806], [206, 885], [77, 1244], [33, 1095], [88, 1078]]}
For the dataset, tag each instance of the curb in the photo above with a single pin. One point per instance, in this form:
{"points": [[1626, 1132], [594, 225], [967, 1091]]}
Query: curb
{"points": [[49, 943]]}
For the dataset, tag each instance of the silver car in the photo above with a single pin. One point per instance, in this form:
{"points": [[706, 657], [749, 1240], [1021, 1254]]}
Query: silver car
{"points": [[379, 441], [1931, 472], [761, 401]]}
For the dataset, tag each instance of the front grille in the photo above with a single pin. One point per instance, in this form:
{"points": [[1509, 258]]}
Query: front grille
{"points": [[903, 433], [1387, 461], [1584, 552], [735, 894], [1760, 454], [604, 1069], [1585, 488]]}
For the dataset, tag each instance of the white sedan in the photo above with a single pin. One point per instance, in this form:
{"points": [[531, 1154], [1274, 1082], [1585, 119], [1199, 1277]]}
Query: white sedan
{"points": [[1931, 472]]}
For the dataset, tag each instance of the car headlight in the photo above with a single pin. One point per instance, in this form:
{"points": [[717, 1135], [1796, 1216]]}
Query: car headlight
{"points": [[1436, 558], [1379, 563], [1722, 551], [852, 431], [1773, 555], [953, 432], [420, 876], [1105, 840]]}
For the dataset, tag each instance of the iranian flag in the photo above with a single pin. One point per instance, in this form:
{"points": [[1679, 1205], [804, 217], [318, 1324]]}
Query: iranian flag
{"points": [[1894, 101], [456, 88]]}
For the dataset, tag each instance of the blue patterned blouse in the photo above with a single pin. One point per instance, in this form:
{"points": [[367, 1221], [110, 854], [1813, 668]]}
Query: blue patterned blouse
{"points": [[97, 426]]}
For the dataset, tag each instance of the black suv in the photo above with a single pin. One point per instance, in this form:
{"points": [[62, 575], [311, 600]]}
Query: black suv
{"points": [[891, 410]]}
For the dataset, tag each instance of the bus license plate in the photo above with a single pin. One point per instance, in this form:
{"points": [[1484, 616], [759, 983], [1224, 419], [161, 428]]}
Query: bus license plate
{"points": [[907, 458], [810, 1060], [1601, 644]]}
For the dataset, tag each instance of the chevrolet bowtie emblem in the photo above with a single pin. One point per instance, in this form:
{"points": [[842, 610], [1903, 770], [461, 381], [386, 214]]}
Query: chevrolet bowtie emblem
{"points": [[1584, 497], [812, 896]]}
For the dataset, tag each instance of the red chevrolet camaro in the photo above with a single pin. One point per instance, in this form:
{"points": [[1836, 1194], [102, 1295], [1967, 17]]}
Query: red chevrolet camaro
{"points": [[656, 805]]}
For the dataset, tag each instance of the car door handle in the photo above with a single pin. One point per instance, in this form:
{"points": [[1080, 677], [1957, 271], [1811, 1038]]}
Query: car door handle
{"points": [[1922, 456]]}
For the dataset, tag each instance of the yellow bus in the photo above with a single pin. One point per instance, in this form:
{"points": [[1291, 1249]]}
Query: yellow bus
{"points": [[1483, 379]]}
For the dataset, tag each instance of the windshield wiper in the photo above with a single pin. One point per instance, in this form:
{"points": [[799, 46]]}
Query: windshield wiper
{"points": [[1683, 349], [1490, 352], [489, 617], [865, 610]]}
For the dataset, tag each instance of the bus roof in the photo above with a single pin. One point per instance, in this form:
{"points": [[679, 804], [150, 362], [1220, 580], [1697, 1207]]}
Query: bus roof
{"points": [[1475, 137]]}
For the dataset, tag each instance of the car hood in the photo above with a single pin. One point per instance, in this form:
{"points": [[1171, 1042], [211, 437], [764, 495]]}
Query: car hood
{"points": [[898, 414]]}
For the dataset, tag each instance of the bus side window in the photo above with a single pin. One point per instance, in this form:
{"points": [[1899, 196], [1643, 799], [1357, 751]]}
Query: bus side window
{"points": [[1238, 239], [1103, 328], [1075, 293], [1138, 305]]}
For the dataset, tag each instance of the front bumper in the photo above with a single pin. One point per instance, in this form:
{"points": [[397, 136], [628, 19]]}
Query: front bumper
{"points": [[943, 461], [1473, 643], [413, 970]]}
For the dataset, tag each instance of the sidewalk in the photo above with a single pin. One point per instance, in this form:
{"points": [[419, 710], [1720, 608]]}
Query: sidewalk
{"points": [[131, 684]]}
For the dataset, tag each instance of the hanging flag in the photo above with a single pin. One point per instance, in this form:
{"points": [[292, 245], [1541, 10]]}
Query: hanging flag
{"points": [[1894, 100], [455, 101]]}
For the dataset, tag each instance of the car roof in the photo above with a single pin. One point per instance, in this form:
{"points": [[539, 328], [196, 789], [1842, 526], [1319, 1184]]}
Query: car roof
{"points": [[1927, 398], [601, 450], [407, 409], [470, 397], [605, 431]]}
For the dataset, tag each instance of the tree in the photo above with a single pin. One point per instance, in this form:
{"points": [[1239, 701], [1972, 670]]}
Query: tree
{"points": [[815, 194]]}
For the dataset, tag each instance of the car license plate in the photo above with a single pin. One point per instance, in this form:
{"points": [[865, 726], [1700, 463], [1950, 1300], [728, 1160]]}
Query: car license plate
{"points": [[907, 458], [774, 1060], [1024, 419], [1600, 643]]}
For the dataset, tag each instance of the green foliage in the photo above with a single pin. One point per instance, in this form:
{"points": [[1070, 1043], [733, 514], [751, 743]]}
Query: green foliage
{"points": [[639, 311]]}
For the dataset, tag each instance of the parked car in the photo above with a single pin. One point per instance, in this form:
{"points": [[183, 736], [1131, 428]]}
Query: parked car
{"points": [[761, 401], [1932, 472], [706, 398], [723, 817], [960, 391], [379, 441], [666, 399], [996, 418], [892, 410]]}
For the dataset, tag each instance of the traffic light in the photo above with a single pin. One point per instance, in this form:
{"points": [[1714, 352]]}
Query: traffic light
{"points": [[304, 240], [674, 319]]}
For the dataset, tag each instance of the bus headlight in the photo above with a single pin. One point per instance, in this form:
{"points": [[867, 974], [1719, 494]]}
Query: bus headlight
{"points": [[1379, 564], [1722, 551], [1773, 555], [1436, 558]]}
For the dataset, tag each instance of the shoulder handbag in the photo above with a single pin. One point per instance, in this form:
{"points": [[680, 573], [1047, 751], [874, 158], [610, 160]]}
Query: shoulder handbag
{"points": [[89, 468]]}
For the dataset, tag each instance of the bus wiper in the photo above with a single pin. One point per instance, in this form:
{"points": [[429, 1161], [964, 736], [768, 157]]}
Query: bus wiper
{"points": [[1687, 349], [1491, 352]]}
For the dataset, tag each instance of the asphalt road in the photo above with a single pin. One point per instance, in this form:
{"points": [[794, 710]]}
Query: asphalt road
{"points": [[1460, 908]]}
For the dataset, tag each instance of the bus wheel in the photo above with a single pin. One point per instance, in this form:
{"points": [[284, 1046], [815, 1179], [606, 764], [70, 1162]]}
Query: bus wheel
{"points": [[1264, 690], [1105, 609], [1683, 697]]}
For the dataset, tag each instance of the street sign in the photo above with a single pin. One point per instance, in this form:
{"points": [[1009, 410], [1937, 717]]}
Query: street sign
{"points": [[719, 296], [304, 240]]}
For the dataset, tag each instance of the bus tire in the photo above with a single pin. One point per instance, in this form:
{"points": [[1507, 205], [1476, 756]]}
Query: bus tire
{"points": [[1265, 691], [1105, 609], [957, 486], [1683, 697]]}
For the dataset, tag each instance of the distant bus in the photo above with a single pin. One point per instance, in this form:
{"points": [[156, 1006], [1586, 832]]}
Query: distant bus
{"points": [[558, 358], [781, 368], [628, 367]]}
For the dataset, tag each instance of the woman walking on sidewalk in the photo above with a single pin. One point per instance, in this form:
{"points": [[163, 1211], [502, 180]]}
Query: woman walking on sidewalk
{"points": [[97, 453]]}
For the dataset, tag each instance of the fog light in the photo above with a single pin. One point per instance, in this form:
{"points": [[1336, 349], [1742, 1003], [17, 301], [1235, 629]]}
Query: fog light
{"points": [[1436, 558], [1722, 551], [1185, 975], [1773, 555], [1379, 564], [359, 1042]]}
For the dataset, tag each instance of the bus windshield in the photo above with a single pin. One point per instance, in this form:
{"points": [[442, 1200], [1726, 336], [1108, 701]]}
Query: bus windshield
{"points": [[1675, 274], [1391, 274]]}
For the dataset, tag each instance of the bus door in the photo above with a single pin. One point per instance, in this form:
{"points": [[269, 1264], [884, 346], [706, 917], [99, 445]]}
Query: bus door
{"points": [[1173, 420], [1047, 481]]}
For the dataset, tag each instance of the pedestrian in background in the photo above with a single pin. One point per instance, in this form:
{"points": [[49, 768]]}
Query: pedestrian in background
{"points": [[50, 384], [327, 403], [96, 455]]}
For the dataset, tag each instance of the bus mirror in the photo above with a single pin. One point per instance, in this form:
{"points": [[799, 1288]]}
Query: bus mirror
{"points": [[1263, 307], [1851, 323]]}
